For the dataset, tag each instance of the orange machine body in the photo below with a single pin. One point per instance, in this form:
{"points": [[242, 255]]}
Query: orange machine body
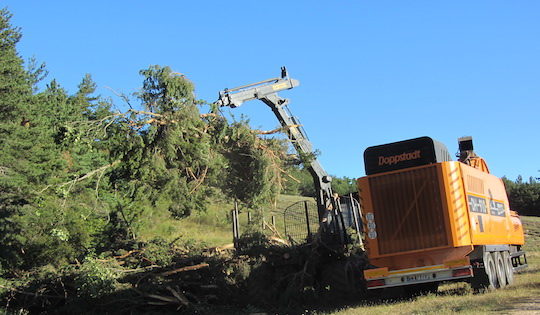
{"points": [[434, 214]]}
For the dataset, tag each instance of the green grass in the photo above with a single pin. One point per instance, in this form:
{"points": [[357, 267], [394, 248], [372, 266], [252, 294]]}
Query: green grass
{"points": [[214, 226]]}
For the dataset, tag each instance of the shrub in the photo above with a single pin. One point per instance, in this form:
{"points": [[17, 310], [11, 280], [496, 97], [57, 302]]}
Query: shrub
{"points": [[95, 279]]}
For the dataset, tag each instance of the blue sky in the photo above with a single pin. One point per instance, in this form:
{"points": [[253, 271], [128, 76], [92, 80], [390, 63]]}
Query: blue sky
{"points": [[370, 72]]}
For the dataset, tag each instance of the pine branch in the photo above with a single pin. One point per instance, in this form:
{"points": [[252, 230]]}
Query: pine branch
{"points": [[199, 180], [277, 158], [36, 294], [277, 130], [87, 175]]}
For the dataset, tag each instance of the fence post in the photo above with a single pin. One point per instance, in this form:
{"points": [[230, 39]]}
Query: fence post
{"points": [[307, 219], [235, 225]]}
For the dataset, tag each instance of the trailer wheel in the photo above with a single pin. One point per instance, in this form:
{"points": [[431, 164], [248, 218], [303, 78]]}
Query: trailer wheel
{"points": [[486, 278], [500, 268], [508, 268]]}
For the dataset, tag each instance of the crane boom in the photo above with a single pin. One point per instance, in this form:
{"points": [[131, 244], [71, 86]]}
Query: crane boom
{"points": [[266, 91]]}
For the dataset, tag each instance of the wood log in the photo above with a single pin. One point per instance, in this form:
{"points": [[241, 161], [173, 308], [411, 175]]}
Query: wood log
{"points": [[187, 268]]}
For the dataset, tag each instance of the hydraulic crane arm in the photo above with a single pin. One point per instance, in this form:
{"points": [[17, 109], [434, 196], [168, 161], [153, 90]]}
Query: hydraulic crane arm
{"points": [[266, 91], [237, 96]]}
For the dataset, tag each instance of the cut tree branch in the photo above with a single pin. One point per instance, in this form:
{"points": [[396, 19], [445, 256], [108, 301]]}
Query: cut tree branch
{"points": [[273, 131], [187, 268]]}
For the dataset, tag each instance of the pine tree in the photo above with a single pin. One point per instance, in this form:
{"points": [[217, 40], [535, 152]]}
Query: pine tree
{"points": [[15, 84], [46, 214]]}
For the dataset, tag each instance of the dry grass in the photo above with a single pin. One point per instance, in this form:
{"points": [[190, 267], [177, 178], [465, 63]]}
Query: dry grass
{"points": [[521, 298], [458, 298], [532, 233]]}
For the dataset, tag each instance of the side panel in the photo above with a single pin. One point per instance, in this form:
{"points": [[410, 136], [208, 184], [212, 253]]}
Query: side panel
{"points": [[489, 211], [456, 204], [516, 229], [371, 244]]}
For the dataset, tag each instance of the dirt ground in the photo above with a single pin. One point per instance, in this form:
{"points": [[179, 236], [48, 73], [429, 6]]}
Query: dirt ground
{"points": [[530, 305]]}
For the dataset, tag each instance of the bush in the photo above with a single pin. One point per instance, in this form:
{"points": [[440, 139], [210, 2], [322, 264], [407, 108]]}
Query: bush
{"points": [[95, 279], [159, 252]]}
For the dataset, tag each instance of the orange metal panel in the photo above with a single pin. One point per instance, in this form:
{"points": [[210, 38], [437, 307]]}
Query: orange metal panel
{"points": [[489, 211], [375, 273], [408, 210], [457, 262], [516, 229], [371, 245], [456, 203], [422, 258]]}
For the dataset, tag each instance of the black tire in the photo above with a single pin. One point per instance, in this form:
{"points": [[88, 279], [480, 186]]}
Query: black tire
{"points": [[486, 277], [499, 266], [508, 268]]}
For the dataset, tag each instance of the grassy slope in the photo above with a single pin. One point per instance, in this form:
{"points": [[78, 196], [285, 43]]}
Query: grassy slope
{"points": [[520, 298], [214, 226]]}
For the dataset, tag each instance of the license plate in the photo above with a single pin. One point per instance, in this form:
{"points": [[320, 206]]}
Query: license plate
{"points": [[418, 278]]}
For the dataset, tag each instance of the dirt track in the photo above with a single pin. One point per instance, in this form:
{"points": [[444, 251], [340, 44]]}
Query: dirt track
{"points": [[529, 305]]}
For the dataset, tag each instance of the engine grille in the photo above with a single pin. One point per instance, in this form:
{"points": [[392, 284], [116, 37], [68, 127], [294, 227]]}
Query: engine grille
{"points": [[408, 210]]}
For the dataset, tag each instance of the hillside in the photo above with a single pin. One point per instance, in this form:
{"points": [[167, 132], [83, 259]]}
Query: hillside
{"points": [[214, 228]]}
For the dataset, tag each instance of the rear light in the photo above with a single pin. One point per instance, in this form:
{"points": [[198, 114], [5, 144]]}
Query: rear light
{"points": [[375, 283], [462, 272]]}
